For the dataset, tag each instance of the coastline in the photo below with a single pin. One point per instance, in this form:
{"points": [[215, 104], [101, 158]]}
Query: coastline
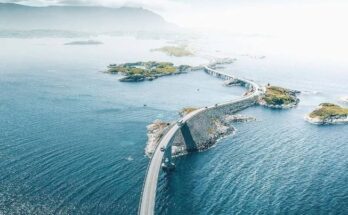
{"points": [[329, 121]]}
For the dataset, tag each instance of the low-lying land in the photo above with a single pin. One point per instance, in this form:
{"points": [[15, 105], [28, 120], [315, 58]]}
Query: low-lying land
{"points": [[84, 42], [176, 51], [219, 62], [186, 111], [278, 97], [141, 71], [328, 113]]}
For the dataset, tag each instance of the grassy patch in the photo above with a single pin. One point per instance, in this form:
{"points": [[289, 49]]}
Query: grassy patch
{"points": [[150, 70], [327, 110], [177, 51], [146, 69], [278, 96], [187, 110]]}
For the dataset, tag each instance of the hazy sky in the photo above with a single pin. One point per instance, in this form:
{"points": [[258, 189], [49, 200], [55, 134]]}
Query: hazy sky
{"points": [[307, 17]]}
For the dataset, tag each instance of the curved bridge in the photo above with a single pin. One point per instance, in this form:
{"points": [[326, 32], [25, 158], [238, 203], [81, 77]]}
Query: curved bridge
{"points": [[162, 154]]}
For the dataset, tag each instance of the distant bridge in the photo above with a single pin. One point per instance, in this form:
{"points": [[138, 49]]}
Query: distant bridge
{"points": [[162, 157]]}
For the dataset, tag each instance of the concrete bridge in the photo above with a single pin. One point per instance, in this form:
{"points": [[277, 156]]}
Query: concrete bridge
{"points": [[162, 157]]}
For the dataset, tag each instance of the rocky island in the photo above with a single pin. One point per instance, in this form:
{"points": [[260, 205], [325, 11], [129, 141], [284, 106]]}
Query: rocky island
{"points": [[219, 63], [328, 113], [279, 98], [141, 71], [176, 51]]}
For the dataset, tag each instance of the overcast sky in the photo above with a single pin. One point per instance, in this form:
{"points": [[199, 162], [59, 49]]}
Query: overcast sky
{"points": [[308, 17]]}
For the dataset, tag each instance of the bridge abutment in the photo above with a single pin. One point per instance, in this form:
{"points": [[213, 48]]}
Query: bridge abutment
{"points": [[168, 163]]}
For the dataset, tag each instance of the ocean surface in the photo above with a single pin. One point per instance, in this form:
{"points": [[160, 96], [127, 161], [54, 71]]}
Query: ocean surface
{"points": [[72, 138]]}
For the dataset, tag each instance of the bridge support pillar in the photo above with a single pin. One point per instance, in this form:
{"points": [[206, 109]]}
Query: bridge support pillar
{"points": [[167, 164]]}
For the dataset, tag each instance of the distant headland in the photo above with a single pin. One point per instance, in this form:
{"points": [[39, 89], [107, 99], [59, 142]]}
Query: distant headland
{"points": [[176, 51]]}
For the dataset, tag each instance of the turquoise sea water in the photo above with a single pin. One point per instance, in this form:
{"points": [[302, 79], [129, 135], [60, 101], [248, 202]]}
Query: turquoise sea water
{"points": [[72, 138]]}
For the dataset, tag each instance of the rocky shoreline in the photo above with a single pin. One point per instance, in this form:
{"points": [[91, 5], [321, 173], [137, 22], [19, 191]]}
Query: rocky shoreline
{"points": [[155, 131], [146, 71], [279, 98], [219, 128], [328, 121]]}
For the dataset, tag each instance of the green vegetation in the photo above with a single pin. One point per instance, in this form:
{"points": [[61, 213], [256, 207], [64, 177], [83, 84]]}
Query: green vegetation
{"points": [[186, 111], [150, 70], [177, 51], [279, 96], [327, 110]]}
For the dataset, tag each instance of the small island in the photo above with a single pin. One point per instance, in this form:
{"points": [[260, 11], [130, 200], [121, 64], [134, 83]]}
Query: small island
{"points": [[279, 98], [84, 42], [141, 71], [328, 113], [176, 51]]}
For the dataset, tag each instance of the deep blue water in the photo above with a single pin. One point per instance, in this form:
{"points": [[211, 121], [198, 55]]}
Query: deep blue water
{"points": [[72, 138], [279, 164]]}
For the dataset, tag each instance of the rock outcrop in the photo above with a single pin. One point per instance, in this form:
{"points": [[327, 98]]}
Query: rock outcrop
{"points": [[344, 99], [155, 131], [239, 118], [279, 98]]}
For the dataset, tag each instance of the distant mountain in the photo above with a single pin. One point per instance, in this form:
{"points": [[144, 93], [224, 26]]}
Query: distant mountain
{"points": [[80, 18]]}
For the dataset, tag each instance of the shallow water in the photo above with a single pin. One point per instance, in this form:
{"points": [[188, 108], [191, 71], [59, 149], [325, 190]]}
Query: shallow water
{"points": [[72, 138]]}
